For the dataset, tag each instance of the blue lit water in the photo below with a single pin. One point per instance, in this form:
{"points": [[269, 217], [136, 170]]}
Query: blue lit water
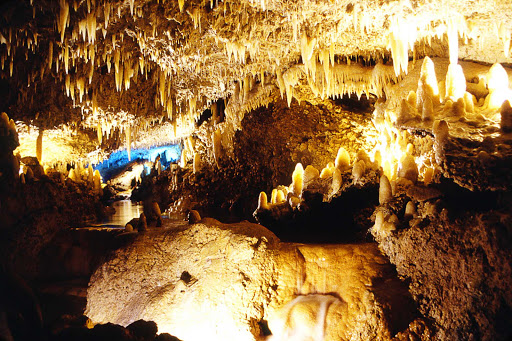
{"points": [[117, 161]]}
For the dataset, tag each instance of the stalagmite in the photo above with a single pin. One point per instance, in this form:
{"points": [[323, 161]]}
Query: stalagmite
{"points": [[441, 134], [469, 102], [358, 170], [410, 210], [273, 196], [428, 92], [263, 202], [280, 196], [143, 224], [159, 167], [128, 142], [455, 82], [440, 130], [194, 217], [327, 171], [217, 146], [39, 146], [310, 173], [428, 176], [197, 162], [497, 83], [427, 111], [342, 159], [385, 192], [506, 117], [337, 181], [408, 169], [90, 174], [29, 175], [297, 180], [72, 175], [97, 182], [384, 225], [293, 201]]}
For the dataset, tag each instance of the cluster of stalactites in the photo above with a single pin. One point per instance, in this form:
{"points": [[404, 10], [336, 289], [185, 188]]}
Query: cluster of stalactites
{"points": [[404, 35], [328, 79]]}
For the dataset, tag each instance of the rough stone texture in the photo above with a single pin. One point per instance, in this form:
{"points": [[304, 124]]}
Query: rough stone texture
{"points": [[38, 214], [271, 141], [456, 254], [226, 282]]}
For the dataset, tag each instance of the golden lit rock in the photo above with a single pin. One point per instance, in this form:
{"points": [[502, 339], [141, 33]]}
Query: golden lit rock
{"points": [[297, 180], [204, 290], [385, 193]]}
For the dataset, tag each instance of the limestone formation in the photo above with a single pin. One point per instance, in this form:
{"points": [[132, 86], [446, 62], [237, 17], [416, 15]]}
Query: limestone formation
{"points": [[229, 276], [385, 192]]}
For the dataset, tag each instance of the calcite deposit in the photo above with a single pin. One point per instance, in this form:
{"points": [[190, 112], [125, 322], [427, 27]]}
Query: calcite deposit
{"points": [[370, 140], [234, 281]]}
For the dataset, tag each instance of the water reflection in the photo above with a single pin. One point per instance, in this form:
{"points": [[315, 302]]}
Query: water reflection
{"points": [[126, 210]]}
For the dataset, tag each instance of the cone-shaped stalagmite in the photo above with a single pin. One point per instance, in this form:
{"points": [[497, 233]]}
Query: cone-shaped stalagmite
{"points": [[39, 145]]}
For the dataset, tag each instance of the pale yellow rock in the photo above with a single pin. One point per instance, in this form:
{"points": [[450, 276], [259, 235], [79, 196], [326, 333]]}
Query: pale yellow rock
{"points": [[326, 173], [358, 170], [455, 82], [506, 117], [385, 192], [97, 182], [342, 159], [212, 281], [297, 180], [39, 146], [280, 196], [263, 201], [337, 181], [197, 163], [408, 169], [310, 173], [428, 175]]}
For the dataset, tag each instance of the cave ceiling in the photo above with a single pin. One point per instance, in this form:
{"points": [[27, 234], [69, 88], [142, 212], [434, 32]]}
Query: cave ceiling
{"points": [[100, 65]]}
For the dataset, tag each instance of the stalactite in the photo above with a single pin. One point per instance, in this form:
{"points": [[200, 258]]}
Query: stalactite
{"points": [[63, 18]]}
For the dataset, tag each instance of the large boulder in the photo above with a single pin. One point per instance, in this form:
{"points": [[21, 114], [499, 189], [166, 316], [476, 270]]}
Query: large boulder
{"points": [[234, 282]]}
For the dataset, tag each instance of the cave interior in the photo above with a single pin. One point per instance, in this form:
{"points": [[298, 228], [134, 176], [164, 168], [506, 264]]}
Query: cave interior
{"points": [[255, 170]]}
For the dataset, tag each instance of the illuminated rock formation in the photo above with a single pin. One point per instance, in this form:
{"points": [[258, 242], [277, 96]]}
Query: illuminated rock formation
{"points": [[230, 277], [386, 115]]}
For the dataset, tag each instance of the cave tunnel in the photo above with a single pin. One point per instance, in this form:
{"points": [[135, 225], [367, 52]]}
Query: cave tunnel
{"points": [[255, 170]]}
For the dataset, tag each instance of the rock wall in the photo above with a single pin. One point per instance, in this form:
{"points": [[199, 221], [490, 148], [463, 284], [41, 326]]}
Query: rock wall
{"points": [[455, 251], [37, 212]]}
